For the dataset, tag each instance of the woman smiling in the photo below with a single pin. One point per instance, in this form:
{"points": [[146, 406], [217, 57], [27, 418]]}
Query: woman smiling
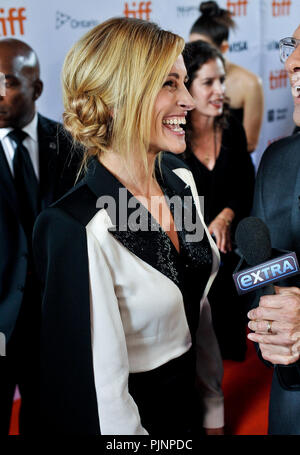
{"points": [[125, 329]]}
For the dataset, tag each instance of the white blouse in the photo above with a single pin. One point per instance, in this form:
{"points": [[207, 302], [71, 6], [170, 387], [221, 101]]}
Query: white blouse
{"points": [[138, 323]]}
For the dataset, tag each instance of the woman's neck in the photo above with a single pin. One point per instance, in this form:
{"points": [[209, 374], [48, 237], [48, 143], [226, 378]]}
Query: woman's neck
{"points": [[202, 126], [132, 174]]}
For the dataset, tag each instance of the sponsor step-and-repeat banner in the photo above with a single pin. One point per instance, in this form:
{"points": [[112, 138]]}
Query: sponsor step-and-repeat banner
{"points": [[51, 28]]}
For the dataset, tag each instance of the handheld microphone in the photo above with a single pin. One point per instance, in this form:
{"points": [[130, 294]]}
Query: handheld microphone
{"points": [[253, 241]]}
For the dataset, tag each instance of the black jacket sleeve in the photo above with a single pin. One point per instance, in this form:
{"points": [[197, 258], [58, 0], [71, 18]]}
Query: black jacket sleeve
{"points": [[68, 397]]}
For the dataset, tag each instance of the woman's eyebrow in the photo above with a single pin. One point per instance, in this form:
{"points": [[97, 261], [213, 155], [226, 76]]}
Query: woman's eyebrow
{"points": [[177, 76], [174, 74]]}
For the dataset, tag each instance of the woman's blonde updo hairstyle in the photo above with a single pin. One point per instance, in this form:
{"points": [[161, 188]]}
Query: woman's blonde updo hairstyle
{"points": [[111, 78]]}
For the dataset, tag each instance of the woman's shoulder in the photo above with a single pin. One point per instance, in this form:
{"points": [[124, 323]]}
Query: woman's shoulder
{"points": [[243, 74], [72, 212], [242, 85]]}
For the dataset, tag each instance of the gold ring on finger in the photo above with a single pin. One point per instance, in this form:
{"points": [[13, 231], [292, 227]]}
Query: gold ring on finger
{"points": [[269, 326]]}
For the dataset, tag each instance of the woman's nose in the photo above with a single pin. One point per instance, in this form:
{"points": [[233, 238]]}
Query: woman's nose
{"points": [[185, 100]]}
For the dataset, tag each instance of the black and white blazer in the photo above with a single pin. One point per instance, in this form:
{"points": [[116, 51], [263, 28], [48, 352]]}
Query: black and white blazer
{"points": [[94, 273]]}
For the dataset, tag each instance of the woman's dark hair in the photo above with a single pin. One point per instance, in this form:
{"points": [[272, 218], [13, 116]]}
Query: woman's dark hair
{"points": [[195, 55], [214, 22]]}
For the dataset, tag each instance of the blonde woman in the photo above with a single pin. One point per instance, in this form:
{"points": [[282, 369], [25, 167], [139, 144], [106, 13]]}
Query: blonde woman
{"points": [[124, 336]]}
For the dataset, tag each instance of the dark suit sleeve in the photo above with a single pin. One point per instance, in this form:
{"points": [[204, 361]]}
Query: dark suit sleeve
{"points": [[288, 376], [68, 397]]}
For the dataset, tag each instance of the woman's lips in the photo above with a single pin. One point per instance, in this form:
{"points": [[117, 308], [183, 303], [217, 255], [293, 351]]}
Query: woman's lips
{"points": [[177, 130], [217, 103], [173, 124]]}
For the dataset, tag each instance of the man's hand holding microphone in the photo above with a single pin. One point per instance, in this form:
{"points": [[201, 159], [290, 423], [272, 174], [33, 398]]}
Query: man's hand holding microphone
{"points": [[276, 325], [275, 322]]}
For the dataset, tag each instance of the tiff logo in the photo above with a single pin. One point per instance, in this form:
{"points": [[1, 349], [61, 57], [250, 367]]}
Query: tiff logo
{"points": [[237, 7], [278, 79], [9, 19], [2, 345], [140, 10], [281, 7]]}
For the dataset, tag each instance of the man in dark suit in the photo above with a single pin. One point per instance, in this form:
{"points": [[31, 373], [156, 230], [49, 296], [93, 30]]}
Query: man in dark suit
{"points": [[36, 168], [276, 320]]}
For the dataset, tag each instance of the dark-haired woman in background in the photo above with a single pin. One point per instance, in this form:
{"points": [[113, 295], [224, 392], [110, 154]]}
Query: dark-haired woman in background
{"points": [[243, 88], [217, 155]]}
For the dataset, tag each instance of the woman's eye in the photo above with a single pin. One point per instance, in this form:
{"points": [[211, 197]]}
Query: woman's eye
{"points": [[222, 79], [169, 84]]}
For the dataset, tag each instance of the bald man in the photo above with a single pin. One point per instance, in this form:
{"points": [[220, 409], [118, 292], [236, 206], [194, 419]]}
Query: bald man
{"points": [[36, 168], [276, 320]]}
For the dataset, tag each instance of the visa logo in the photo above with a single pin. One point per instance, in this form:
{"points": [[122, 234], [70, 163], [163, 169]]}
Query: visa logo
{"points": [[262, 274]]}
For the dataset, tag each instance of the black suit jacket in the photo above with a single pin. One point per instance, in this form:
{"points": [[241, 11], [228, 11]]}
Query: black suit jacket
{"points": [[58, 167], [277, 203]]}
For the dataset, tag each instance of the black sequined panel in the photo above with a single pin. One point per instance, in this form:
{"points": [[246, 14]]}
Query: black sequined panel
{"points": [[195, 264], [152, 245]]}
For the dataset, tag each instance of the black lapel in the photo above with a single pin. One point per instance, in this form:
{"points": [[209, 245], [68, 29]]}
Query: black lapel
{"points": [[162, 254], [7, 182], [48, 149]]}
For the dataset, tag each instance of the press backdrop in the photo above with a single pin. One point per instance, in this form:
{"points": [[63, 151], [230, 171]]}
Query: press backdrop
{"points": [[51, 27]]}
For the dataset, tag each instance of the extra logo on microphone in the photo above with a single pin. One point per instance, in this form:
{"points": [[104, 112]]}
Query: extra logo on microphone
{"points": [[260, 275]]}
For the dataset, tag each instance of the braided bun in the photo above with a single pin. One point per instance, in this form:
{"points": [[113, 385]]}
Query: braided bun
{"points": [[88, 120]]}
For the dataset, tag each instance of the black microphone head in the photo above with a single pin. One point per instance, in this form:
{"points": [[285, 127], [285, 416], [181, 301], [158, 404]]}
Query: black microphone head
{"points": [[253, 240]]}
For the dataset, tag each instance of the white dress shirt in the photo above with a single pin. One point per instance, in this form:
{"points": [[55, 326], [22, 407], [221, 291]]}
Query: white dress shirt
{"points": [[30, 142]]}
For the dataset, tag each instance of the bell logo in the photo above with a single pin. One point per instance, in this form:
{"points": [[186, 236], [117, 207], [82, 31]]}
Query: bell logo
{"points": [[278, 79], [281, 7], [237, 7], [9, 20], [140, 10]]}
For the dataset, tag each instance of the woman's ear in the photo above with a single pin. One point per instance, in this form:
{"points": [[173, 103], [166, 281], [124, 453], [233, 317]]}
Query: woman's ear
{"points": [[224, 47]]}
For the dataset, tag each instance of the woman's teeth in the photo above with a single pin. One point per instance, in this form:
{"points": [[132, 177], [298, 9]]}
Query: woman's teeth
{"points": [[173, 123]]}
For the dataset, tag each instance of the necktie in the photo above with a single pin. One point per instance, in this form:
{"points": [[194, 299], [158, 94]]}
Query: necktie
{"points": [[26, 183]]}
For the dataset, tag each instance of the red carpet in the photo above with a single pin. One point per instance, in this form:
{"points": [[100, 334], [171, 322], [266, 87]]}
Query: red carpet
{"points": [[246, 388]]}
